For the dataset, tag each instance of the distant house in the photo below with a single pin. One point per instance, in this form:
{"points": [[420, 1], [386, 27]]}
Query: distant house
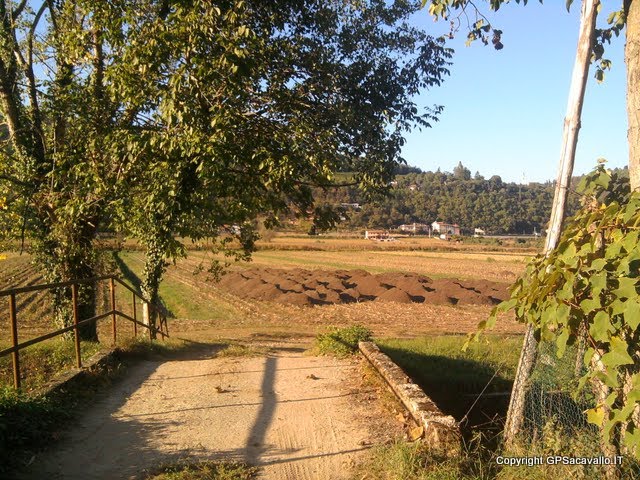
{"points": [[446, 228], [478, 232], [415, 228], [378, 235]]}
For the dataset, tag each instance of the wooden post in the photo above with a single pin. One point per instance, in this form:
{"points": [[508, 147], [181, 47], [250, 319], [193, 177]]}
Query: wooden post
{"points": [[76, 335], [515, 415], [15, 355], [632, 58], [135, 317], [113, 308]]}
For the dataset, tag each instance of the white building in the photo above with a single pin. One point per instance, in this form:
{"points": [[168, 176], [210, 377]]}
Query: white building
{"points": [[446, 228]]}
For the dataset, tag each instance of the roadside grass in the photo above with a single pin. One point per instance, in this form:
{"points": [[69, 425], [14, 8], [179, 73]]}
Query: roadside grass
{"points": [[241, 350], [451, 377], [341, 342], [141, 348], [39, 363], [27, 425], [204, 471], [30, 423], [402, 460]]}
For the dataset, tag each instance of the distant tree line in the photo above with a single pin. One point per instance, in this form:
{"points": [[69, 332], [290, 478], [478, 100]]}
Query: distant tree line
{"points": [[472, 201]]}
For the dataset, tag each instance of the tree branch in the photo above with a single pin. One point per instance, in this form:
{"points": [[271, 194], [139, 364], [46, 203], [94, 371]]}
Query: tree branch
{"points": [[14, 180], [18, 10], [33, 91]]}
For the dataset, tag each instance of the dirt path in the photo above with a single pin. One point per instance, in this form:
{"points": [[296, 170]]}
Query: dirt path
{"points": [[296, 416]]}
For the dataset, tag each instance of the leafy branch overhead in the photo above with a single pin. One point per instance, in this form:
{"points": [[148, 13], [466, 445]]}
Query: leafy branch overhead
{"points": [[162, 117], [459, 12]]}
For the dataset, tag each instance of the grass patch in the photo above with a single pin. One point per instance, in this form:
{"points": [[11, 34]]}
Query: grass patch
{"points": [[342, 342], [408, 461], [27, 424], [41, 362], [181, 299], [144, 349], [205, 471], [30, 423]]}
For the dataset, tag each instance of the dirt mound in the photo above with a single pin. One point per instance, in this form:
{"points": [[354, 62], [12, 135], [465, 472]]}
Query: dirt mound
{"points": [[321, 287]]}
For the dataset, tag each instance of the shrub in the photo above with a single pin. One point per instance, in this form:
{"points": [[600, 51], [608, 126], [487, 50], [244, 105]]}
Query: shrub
{"points": [[342, 342]]}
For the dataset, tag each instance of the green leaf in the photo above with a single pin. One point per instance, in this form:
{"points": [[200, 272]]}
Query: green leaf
{"points": [[596, 415], [632, 441], [631, 241], [617, 354], [566, 292], [561, 342], [632, 313], [588, 305], [600, 327], [598, 264], [626, 288]]}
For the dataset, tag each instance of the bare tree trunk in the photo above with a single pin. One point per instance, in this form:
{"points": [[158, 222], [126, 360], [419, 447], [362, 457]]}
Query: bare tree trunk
{"points": [[632, 59], [515, 415]]}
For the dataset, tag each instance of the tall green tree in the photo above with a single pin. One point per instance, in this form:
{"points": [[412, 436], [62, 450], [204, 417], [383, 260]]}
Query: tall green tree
{"points": [[257, 103], [186, 116]]}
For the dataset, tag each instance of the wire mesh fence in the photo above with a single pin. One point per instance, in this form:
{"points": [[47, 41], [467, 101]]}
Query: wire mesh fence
{"points": [[555, 433]]}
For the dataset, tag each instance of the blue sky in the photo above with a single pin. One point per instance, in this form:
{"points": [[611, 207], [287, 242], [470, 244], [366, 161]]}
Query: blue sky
{"points": [[504, 110]]}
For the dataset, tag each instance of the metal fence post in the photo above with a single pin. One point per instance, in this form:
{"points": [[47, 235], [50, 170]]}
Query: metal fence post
{"points": [[113, 307], [135, 317], [15, 355], [76, 333]]}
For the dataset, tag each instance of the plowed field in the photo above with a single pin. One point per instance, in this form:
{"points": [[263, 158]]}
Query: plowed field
{"points": [[299, 286]]}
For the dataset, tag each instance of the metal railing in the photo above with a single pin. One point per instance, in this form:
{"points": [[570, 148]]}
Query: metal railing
{"points": [[114, 313]]}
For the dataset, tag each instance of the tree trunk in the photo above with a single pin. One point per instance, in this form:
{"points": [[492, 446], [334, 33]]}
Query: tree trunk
{"points": [[72, 257], [154, 267], [632, 59], [515, 415]]}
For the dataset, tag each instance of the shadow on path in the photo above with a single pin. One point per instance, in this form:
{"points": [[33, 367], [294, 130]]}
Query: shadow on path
{"points": [[264, 417]]}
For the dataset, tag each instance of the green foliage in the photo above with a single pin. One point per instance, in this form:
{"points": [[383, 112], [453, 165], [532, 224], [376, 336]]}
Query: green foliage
{"points": [[342, 342], [219, 470], [586, 290], [157, 118], [410, 461], [41, 362]]}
